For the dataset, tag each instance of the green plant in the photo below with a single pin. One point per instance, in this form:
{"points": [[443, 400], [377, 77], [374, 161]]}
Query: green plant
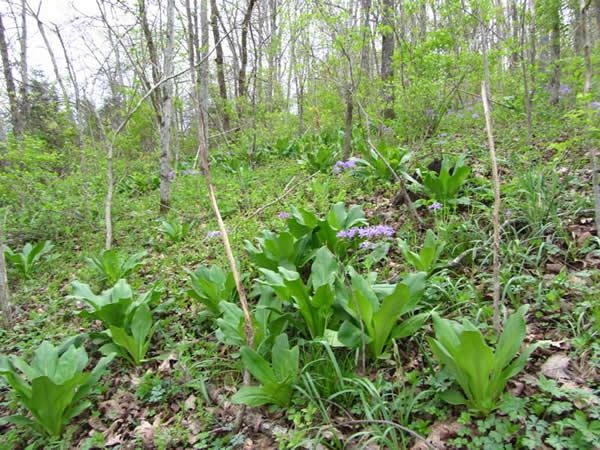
{"points": [[127, 317], [53, 387], [276, 379], [380, 317], [444, 187], [320, 157], [425, 260], [132, 342], [28, 258], [314, 300], [112, 265], [115, 306], [481, 372], [212, 285], [380, 164], [278, 250], [175, 230]]}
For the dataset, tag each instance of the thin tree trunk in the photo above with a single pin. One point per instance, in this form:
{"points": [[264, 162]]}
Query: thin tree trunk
{"points": [[596, 184], [219, 63], [24, 90], [166, 112], [497, 205], [15, 114], [587, 84], [5, 305], [555, 51], [244, 49], [387, 50], [365, 65], [348, 122]]}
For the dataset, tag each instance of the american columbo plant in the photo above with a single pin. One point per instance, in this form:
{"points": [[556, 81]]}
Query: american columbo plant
{"points": [[481, 372], [53, 388], [29, 257], [112, 265]]}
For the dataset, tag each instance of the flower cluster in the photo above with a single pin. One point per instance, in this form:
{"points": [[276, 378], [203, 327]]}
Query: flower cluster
{"points": [[284, 215], [564, 89], [371, 232], [434, 206], [341, 166], [595, 106], [213, 234]]}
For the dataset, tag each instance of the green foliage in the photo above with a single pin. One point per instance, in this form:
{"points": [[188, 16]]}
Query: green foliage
{"points": [[53, 388], [320, 153], [313, 300], [132, 342], [126, 316], [29, 257], [425, 260], [380, 317], [306, 233], [276, 379], [373, 165], [481, 373], [175, 230], [211, 286], [112, 265], [138, 184], [115, 306], [445, 186]]}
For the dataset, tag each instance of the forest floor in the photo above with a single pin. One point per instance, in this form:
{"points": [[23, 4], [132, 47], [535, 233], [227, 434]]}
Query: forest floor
{"points": [[179, 398]]}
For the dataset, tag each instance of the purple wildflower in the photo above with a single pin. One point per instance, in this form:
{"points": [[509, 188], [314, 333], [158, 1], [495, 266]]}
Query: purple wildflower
{"points": [[213, 234], [371, 232], [348, 234], [564, 89], [475, 116], [595, 106], [375, 231], [469, 108], [434, 206], [171, 175], [341, 166], [443, 135], [365, 245], [284, 215], [429, 112]]}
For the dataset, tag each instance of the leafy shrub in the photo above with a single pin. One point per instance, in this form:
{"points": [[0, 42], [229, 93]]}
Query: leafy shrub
{"points": [[320, 154], [425, 260], [481, 373], [112, 265], [446, 185], [29, 257], [372, 165], [53, 387], [211, 286], [137, 184], [380, 317], [174, 229], [127, 317], [313, 300], [277, 379]]}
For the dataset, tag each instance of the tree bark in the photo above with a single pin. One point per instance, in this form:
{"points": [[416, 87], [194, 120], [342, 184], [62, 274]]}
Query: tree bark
{"points": [[555, 55], [5, 305], [24, 88], [15, 113], [244, 49], [348, 123], [166, 113], [219, 63], [587, 57], [387, 50]]}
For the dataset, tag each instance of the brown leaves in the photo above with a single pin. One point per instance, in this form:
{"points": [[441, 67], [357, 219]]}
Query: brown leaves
{"points": [[440, 432], [556, 367]]}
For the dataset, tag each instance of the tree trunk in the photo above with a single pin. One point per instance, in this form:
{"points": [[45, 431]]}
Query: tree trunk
{"points": [[555, 55], [348, 123], [166, 112], [587, 84], [387, 50], [244, 49], [5, 306], [24, 90], [15, 114], [365, 65], [203, 69], [219, 63]]}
